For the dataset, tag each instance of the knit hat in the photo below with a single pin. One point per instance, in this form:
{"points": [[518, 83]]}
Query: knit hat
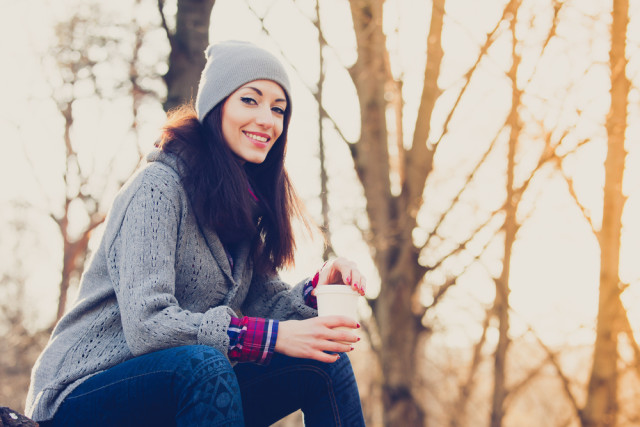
{"points": [[231, 64]]}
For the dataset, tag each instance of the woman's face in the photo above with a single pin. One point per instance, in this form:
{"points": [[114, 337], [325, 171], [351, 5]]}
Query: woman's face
{"points": [[252, 119]]}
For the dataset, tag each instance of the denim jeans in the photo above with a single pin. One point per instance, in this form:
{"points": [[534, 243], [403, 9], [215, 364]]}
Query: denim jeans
{"points": [[196, 386]]}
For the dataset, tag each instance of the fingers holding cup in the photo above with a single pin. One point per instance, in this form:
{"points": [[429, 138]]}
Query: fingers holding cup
{"points": [[342, 271]]}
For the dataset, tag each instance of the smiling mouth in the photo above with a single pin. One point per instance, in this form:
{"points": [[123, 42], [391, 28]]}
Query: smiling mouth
{"points": [[258, 139]]}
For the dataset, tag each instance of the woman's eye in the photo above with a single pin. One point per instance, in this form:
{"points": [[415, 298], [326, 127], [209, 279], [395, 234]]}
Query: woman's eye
{"points": [[278, 110], [248, 100]]}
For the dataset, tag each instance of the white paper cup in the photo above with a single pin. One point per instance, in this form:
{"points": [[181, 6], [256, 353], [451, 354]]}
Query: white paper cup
{"points": [[337, 300]]}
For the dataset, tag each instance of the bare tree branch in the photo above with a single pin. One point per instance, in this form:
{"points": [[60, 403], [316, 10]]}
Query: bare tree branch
{"points": [[165, 26], [572, 191], [547, 157], [463, 187], [465, 389], [419, 161], [628, 330], [462, 245], [506, 14], [557, 7], [552, 31], [324, 191], [441, 290], [566, 382], [520, 385], [36, 176], [313, 91]]}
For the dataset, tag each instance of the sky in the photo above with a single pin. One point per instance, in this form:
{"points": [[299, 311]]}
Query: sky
{"points": [[555, 266]]}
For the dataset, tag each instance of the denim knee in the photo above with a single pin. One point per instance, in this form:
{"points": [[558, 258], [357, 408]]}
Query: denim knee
{"points": [[323, 377], [198, 361], [209, 388], [340, 369]]}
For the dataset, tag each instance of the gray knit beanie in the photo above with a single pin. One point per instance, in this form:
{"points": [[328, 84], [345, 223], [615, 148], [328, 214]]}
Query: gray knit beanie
{"points": [[231, 64]]}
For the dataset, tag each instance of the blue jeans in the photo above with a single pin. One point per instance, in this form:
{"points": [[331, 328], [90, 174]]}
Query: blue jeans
{"points": [[196, 386]]}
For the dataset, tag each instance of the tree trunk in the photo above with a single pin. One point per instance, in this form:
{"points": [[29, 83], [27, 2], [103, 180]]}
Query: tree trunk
{"points": [[510, 228], [188, 43], [75, 36], [399, 331], [393, 316], [393, 218], [324, 178], [74, 256], [65, 279], [601, 408]]}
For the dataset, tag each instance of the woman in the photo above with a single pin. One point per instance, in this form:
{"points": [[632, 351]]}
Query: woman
{"points": [[184, 285]]}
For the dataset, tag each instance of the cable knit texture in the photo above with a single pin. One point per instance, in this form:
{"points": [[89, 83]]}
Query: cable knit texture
{"points": [[157, 280]]}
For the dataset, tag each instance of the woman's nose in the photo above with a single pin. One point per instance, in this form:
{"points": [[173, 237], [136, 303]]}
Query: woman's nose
{"points": [[265, 117]]}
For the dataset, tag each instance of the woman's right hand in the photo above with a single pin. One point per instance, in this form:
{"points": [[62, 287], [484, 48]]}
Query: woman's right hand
{"points": [[311, 338]]}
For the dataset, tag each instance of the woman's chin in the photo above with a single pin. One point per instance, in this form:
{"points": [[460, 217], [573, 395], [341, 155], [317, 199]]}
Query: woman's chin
{"points": [[257, 160]]}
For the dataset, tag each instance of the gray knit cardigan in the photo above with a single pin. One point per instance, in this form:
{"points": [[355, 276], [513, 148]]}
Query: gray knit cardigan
{"points": [[156, 281]]}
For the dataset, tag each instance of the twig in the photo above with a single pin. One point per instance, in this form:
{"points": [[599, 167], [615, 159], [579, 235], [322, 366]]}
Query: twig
{"points": [[463, 187], [469, 74], [165, 26], [466, 389], [307, 86], [566, 383]]}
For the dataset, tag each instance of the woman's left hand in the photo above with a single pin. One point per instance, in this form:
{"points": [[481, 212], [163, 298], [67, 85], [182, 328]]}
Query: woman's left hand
{"points": [[341, 270]]}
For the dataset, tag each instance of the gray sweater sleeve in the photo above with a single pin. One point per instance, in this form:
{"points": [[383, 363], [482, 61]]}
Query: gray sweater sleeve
{"points": [[141, 262], [272, 298]]}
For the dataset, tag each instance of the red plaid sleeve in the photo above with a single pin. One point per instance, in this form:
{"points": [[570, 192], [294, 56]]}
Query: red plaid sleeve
{"points": [[252, 339], [310, 299]]}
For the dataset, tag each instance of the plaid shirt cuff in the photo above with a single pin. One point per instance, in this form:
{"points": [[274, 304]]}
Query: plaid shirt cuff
{"points": [[309, 299], [252, 339]]}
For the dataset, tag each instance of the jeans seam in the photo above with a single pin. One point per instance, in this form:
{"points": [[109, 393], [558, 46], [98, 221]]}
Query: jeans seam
{"points": [[323, 374], [120, 381]]}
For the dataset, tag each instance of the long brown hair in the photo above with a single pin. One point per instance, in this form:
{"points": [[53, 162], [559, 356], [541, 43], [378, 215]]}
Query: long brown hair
{"points": [[218, 187]]}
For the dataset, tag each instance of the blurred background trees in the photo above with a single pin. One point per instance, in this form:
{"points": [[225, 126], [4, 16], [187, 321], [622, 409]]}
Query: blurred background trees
{"points": [[188, 38], [477, 158]]}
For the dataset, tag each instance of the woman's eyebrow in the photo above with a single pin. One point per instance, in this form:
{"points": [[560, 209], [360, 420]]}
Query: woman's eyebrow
{"points": [[259, 92]]}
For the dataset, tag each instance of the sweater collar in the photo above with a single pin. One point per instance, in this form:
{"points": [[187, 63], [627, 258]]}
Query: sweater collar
{"points": [[170, 159]]}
